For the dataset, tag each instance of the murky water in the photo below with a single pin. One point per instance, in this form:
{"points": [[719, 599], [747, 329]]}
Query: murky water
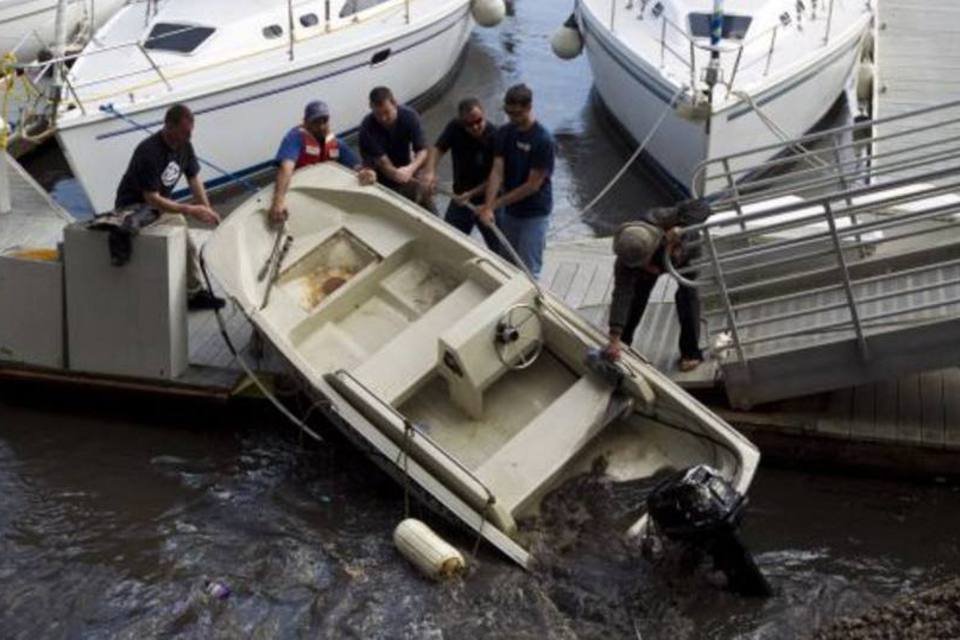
{"points": [[114, 517]]}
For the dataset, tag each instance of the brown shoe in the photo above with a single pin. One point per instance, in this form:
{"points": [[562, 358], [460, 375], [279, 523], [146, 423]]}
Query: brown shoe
{"points": [[689, 364]]}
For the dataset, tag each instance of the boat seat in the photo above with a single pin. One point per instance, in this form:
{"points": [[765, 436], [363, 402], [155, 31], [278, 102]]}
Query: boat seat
{"points": [[395, 370], [467, 353], [532, 458]]}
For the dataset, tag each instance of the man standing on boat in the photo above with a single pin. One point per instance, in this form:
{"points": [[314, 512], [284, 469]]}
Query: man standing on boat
{"points": [[310, 143], [146, 188], [469, 138], [640, 248], [523, 161], [392, 142]]}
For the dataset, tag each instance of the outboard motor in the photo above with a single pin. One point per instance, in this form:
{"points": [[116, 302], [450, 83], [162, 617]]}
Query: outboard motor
{"points": [[699, 507]]}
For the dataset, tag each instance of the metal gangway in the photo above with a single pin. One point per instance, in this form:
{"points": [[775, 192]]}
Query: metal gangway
{"points": [[835, 264]]}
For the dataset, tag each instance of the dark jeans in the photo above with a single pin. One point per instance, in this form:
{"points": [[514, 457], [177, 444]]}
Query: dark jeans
{"points": [[465, 220], [688, 312]]}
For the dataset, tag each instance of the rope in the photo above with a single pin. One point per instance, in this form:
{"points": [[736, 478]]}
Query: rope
{"points": [[246, 369], [777, 130], [577, 218], [109, 109]]}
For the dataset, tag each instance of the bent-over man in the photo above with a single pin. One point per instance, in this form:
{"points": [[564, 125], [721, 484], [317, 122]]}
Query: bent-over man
{"points": [[640, 247]]}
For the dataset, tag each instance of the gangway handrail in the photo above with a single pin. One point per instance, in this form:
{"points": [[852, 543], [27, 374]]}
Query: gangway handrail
{"points": [[805, 139], [715, 269]]}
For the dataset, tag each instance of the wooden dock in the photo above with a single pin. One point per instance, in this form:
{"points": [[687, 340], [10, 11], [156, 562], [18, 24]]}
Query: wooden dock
{"points": [[36, 221]]}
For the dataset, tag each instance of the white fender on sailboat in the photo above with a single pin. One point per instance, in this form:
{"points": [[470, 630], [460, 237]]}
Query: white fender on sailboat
{"points": [[866, 76], [566, 42], [488, 13], [430, 553]]}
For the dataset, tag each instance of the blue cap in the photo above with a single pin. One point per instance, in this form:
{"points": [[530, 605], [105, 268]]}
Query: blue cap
{"points": [[316, 109]]}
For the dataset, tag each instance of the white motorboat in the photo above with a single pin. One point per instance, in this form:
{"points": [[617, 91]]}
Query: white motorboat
{"points": [[246, 68], [776, 71], [27, 26], [450, 366]]}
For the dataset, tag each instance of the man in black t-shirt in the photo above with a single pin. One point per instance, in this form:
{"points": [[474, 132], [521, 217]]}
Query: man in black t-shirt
{"points": [[154, 170], [469, 138], [392, 143]]}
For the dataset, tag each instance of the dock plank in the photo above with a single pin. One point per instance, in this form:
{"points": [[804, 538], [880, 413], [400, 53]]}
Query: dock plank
{"points": [[885, 414], [863, 417], [931, 399], [951, 408], [909, 411], [837, 417]]}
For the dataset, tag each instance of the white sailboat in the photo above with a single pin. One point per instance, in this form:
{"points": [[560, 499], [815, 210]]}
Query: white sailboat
{"points": [[246, 68], [28, 26], [761, 72], [450, 366]]}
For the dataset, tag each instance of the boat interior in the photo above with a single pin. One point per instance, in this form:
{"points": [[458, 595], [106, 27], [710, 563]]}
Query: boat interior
{"points": [[448, 350]]}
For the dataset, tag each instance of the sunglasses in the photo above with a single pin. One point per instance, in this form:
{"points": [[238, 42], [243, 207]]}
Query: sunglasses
{"points": [[512, 110], [476, 122], [321, 119]]}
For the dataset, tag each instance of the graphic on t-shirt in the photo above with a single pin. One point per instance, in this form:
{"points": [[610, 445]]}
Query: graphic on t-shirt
{"points": [[171, 174]]}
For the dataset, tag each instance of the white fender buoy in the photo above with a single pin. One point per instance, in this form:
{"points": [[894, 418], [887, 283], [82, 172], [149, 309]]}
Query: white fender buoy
{"points": [[866, 75], [566, 42], [488, 13], [428, 552]]}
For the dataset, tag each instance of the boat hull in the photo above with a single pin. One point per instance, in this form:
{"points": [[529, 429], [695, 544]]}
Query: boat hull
{"points": [[238, 129], [403, 355], [636, 94]]}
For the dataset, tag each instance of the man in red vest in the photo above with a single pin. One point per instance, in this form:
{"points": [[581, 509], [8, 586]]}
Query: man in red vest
{"points": [[310, 143]]}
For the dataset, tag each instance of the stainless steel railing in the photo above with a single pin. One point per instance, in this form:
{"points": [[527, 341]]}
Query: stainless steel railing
{"points": [[819, 266]]}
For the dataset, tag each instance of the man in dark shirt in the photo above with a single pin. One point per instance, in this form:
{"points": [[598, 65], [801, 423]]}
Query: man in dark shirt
{"points": [[154, 170], [523, 161], [640, 247], [392, 143], [469, 138]]}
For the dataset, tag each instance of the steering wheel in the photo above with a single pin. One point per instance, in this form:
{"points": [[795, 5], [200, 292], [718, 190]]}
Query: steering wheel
{"points": [[519, 336]]}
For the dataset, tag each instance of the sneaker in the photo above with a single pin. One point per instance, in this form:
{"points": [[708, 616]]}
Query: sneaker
{"points": [[203, 300], [689, 364]]}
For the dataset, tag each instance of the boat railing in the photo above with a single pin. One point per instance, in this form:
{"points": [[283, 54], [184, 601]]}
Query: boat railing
{"points": [[410, 427], [670, 32], [833, 244], [157, 75]]}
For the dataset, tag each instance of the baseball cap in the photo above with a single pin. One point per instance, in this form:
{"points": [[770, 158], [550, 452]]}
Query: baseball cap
{"points": [[316, 109], [636, 242]]}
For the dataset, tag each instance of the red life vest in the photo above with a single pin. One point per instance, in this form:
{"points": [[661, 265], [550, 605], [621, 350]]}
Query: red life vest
{"points": [[312, 151]]}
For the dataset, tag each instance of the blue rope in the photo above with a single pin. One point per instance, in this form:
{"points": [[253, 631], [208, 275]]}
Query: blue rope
{"points": [[109, 108]]}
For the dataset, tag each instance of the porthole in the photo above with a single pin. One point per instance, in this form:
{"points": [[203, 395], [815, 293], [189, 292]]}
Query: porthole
{"points": [[309, 20], [273, 31]]}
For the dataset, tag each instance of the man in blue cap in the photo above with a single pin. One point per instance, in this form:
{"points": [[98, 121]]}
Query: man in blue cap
{"points": [[310, 143]]}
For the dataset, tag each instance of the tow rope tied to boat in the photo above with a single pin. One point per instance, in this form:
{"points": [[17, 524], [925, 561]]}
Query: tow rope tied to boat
{"points": [[578, 216], [246, 369]]}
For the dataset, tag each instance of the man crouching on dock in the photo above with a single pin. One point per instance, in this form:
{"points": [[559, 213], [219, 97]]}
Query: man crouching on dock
{"points": [[310, 143], [155, 168]]}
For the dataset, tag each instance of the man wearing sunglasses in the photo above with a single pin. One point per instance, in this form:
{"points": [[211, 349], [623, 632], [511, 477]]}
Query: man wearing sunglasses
{"points": [[523, 161], [469, 138], [310, 143]]}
